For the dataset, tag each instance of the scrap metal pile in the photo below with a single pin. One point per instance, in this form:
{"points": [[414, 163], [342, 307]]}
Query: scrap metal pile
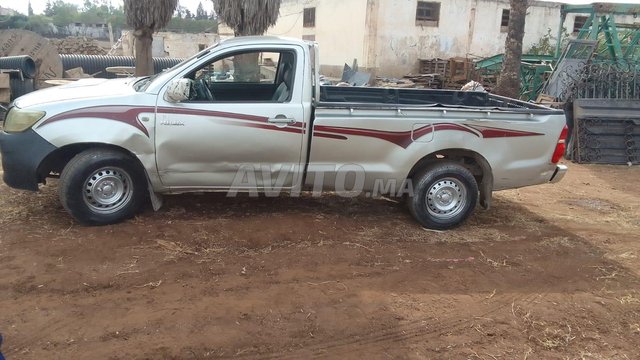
{"points": [[598, 78]]}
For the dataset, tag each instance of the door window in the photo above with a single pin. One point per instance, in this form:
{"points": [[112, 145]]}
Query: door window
{"points": [[257, 76]]}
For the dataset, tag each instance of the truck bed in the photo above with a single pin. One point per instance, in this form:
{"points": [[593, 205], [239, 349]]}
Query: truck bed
{"points": [[345, 96]]}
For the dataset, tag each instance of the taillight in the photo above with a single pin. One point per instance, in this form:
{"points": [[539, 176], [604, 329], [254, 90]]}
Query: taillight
{"points": [[561, 146]]}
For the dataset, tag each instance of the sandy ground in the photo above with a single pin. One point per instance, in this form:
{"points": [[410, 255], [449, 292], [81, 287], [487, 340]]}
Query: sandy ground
{"points": [[550, 272]]}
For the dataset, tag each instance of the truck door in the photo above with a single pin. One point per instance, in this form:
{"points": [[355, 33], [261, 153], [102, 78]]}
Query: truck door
{"points": [[242, 126]]}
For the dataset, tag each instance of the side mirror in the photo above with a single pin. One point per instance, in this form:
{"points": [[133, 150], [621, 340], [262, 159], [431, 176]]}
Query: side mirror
{"points": [[178, 90]]}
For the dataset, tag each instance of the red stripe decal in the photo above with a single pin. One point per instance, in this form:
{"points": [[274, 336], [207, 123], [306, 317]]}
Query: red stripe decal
{"points": [[228, 115], [129, 115], [491, 132], [125, 114], [400, 138], [451, 126], [329, 136]]}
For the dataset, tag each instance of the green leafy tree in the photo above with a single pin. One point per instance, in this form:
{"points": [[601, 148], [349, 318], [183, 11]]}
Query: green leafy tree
{"points": [[39, 24], [18, 21], [147, 17], [48, 10], [64, 13], [29, 9], [201, 14]]}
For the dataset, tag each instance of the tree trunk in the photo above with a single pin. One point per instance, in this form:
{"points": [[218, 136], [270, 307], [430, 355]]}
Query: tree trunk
{"points": [[246, 67], [144, 55], [509, 79]]}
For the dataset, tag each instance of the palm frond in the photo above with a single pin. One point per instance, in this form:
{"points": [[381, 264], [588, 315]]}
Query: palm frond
{"points": [[248, 17], [151, 15]]}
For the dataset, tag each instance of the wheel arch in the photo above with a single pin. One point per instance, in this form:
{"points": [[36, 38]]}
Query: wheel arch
{"points": [[59, 158], [471, 160]]}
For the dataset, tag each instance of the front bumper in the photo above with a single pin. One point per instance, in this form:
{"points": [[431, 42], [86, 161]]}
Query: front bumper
{"points": [[561, 170], [22, 153]]}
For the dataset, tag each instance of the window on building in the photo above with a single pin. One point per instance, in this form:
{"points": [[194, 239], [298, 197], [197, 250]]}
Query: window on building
{"points": [[504, 21], [309, 37], [309, 18], [428, 13], [579, 22]]}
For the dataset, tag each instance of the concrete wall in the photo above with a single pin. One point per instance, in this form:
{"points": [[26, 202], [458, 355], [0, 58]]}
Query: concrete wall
{"points": [[340, 30], [467, 28], [168, 44], [96, 31], [384, 37]]}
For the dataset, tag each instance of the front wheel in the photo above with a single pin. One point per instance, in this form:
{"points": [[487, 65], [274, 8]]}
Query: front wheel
{"points": [[102, 186], [445, 194]]}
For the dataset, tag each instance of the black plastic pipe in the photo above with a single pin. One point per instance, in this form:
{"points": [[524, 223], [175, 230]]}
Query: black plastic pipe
{"points": [[20, 87], [23, 63], [96, 64]]}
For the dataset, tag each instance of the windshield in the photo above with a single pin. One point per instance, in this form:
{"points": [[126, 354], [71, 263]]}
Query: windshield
{"points": [[145, 82]]}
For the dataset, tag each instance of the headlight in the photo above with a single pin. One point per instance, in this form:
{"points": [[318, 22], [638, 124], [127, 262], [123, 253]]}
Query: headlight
{"points": [[18, 120]]}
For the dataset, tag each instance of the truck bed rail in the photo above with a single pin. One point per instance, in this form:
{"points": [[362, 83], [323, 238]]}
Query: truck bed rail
{"points": [[341, 96]]}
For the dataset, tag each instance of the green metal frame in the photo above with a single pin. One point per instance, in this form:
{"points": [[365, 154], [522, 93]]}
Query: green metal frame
{"points": [[532, 71], [618, 47]]}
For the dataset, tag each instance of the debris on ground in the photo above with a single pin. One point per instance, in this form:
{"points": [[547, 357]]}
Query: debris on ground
{"points": [[473, 86], [78, 46], [394, 83]]}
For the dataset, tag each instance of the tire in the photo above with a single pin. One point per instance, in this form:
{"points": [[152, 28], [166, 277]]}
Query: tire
{"points": [[444, 196], [102, 186]]}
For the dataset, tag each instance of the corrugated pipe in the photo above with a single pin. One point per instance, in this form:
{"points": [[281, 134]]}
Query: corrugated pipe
{"points": [[20, 87], [22, 63], [96, 64]]}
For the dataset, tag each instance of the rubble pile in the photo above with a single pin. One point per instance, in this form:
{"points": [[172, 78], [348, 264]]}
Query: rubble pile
{"points": [[394, 83], [78, 46], [428, 81]]}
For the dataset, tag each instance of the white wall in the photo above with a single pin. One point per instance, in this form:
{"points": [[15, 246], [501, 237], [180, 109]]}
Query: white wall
{"points": [[340, 30], [383, 36], [467, 28], [169, 44]]}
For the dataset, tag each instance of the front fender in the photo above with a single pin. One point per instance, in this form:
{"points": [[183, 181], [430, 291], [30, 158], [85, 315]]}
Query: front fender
{"points": [[137, 138]]}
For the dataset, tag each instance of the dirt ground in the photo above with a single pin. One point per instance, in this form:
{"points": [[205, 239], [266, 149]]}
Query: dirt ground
{"points": [[550, 272]]}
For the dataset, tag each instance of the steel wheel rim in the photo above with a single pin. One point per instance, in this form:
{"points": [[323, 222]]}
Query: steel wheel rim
{"points": [[446, 198], [107, 190]]}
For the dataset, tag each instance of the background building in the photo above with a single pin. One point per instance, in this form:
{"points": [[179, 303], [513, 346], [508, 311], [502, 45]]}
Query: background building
{"points": [[388, 37]]}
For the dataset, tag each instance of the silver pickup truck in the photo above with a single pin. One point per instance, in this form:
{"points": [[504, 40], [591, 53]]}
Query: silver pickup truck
{"points": [[249, 115]]}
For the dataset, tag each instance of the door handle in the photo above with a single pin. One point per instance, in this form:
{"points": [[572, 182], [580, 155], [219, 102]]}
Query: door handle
{"points": [[282, 119]]}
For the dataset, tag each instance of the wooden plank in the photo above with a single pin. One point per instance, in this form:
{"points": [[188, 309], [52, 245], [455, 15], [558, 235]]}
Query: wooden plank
{"points": [[5, 96], [4, 81]]}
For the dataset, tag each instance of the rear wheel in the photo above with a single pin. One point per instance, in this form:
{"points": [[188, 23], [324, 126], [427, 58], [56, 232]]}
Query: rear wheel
{"points": [[102, 186], [445, 194]]}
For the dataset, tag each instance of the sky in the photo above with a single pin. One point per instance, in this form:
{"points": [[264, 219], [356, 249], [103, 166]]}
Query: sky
{"points": [[39, 5]]}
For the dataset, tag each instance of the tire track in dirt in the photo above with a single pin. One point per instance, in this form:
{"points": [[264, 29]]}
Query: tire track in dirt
{"points": [[412, 330]]}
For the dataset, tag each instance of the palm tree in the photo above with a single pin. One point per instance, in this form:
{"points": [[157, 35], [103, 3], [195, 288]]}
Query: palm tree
{"points": [[146, 17], [509, 79], [247, 17]]}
